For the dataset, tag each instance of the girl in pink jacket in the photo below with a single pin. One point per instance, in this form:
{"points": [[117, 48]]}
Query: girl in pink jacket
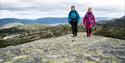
{"points": [[89, 21]]}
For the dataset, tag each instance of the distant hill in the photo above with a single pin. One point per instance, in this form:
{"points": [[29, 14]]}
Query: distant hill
{"points": [[10, 25], [48, 21], [51, 20], [14, 20]]}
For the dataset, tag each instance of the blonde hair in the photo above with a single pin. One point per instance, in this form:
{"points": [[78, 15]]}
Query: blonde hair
{"points": [[90, 9]]}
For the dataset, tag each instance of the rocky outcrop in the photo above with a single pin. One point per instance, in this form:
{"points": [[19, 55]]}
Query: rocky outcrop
{"points": [[118, 22], [67, 49]]}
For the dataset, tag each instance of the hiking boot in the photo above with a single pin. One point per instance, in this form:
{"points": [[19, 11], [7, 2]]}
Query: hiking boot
{"points": [[89, 35], [73, 35]]}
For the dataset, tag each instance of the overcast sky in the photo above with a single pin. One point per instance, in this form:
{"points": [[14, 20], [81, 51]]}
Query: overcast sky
{"points": [[32, 9]]}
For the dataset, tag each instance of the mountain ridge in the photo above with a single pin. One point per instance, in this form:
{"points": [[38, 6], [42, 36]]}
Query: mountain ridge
{"points": [[117, 22]]}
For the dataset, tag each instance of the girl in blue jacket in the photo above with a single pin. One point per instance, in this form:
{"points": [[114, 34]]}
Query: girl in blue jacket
{"points": [[73, 19]]}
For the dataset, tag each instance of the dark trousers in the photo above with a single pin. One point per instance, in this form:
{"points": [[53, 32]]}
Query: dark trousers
{"points": [[74, 27], [89, 30]]}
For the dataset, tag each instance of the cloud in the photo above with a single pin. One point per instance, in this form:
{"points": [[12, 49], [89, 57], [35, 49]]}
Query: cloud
{"points": [[60, 8], [23, 5]]}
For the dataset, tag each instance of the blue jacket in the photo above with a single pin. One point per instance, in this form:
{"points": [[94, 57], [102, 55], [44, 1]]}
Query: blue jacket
{"points": [[69, 17]]}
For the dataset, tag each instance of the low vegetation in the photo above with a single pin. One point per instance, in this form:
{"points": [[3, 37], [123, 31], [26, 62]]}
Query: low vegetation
{"points": [[115, 32], [27, 33]]}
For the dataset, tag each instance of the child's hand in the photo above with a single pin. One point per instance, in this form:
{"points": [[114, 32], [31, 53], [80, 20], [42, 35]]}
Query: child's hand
{"points": [[82, 25]]}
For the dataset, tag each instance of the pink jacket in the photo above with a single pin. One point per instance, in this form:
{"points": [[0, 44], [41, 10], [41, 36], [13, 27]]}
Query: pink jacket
{"points": [[89, 20]]}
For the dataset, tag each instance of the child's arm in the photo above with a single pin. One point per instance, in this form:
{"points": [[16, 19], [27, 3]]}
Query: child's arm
{"points": [[94, 20], [78, 16]]}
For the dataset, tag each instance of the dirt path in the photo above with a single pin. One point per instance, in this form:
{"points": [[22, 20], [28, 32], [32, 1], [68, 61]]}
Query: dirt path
{"points": [[67, 49]]}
